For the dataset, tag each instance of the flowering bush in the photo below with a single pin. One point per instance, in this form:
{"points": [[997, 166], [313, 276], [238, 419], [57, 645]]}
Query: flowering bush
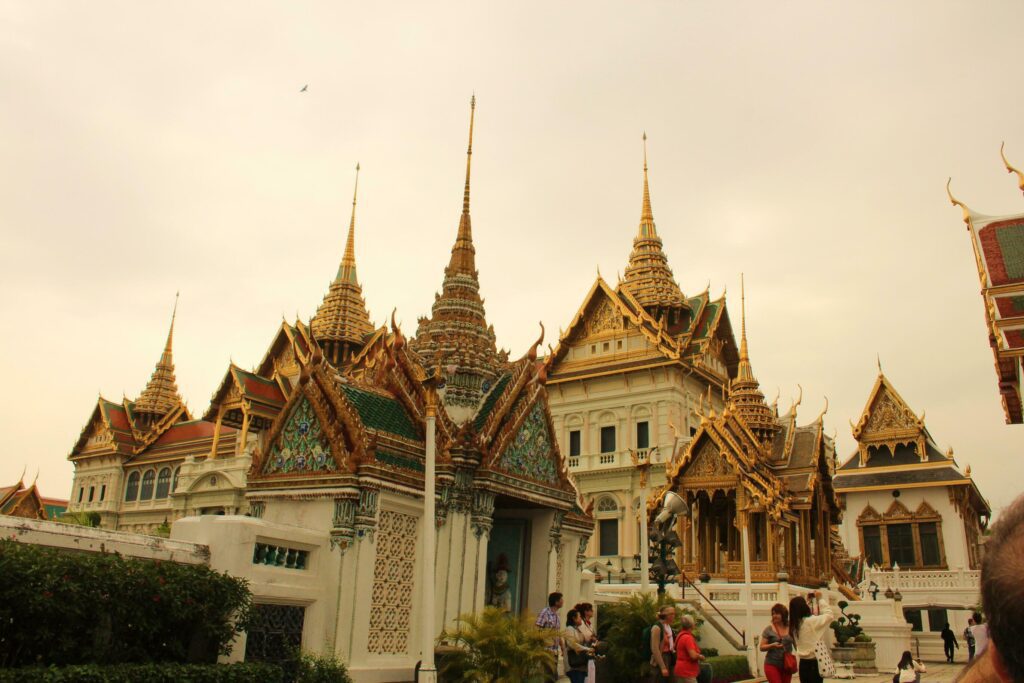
{"points": [[62, 608]]}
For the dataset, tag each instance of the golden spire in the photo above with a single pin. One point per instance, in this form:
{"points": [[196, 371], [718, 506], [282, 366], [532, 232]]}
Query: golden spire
{"points": [[342, 322], [161, 393], [347, 269], [648, 276], [1011, 169], [646, 229], [463, 258], [745, 395]]}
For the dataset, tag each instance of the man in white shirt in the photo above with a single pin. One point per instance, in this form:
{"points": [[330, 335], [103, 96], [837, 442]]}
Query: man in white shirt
{"points": [[980, 633]]}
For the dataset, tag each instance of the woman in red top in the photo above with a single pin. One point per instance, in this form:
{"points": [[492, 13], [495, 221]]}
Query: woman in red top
{"points": [[688, 656]]}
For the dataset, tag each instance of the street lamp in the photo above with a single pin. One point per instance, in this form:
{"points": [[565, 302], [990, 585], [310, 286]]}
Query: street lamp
{"points": [[611, 576], [636, 562]]}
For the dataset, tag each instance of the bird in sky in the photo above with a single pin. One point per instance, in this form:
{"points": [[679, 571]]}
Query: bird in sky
{"points": [[304, 88]]}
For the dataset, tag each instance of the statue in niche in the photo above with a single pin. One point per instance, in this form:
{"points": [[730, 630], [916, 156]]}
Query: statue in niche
{"points": [[500, 587]]}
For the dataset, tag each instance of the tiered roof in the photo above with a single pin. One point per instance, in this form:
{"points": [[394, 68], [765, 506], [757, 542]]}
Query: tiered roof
{"points": [[745, 391], [457, 333], [998, 244], [160, 397], [648, 276], [342, 323]]}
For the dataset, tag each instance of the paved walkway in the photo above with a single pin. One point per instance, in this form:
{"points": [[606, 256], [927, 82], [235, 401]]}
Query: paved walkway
{"points": [[937, 673]]}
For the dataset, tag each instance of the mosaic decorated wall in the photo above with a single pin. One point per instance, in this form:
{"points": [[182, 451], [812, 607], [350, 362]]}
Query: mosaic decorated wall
{"points": [[530, 452], [302, 446]]}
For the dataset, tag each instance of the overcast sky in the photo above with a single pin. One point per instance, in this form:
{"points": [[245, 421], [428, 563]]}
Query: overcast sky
{"points": [[155, 147]]}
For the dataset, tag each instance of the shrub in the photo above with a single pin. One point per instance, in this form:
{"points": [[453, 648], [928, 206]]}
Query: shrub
{"points": [[621, 624], [310, 668], [847, 626], [496, 647], [729, 668], [62, 608], [248, 672]]}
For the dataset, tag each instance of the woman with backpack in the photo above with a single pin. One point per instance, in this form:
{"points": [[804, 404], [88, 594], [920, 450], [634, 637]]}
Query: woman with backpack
{"points": [[777, 644], [807, 629]]}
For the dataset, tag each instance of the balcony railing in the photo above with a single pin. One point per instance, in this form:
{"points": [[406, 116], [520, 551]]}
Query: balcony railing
{"points": [[923, 579], [597, 461]]}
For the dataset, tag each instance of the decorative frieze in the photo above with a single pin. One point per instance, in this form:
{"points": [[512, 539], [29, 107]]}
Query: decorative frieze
{"points": [[483, 512], [366, 513]]}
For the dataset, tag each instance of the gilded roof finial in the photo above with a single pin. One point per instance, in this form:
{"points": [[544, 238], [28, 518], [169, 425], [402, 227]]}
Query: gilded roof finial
{"points": [[161, 393], [469, 153], [744, 356], [878, 359], [1011, 169], [647, 229], [347, 271], [170, 332], [957, 202]]}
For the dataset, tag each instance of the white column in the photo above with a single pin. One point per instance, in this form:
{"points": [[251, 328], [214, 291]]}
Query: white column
{"points": [[751, 653], [645, 559], [428, 671]]}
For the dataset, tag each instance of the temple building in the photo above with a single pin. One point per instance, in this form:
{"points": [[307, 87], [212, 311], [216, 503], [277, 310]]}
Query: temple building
{"points": [[914, 519], [19, 500], [323, 449], [141, 464], [635, 380], [998, 244]]}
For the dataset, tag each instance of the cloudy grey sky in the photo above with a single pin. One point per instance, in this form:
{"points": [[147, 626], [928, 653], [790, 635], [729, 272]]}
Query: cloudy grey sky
{"points": [[154, 147]]}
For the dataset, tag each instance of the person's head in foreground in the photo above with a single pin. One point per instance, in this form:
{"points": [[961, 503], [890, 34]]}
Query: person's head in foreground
{"points": [[1002, 592]]}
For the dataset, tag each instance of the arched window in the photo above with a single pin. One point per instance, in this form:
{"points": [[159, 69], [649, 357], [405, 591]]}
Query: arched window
{"points": [[163, 482], [147, 485], [131, 492], [174, 479], [607, 504]]}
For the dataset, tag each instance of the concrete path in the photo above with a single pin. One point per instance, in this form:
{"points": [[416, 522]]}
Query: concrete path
{"points": [[937, 673]]}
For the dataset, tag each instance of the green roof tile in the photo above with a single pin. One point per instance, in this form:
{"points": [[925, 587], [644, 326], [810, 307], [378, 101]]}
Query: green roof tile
{"points": [[381, 413], [492, 398]]}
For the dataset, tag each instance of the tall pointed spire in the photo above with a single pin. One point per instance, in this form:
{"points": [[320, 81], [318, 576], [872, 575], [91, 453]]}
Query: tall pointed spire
{"points": [[347, 269], [648, 276], [161, 393], [457, 329], [463, 258], [647, 229], [745, 391], [342, 323]]}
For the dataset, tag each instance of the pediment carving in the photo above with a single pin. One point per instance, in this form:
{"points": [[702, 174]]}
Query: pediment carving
{"points": [[605, 317], [898, 511], [888, 414], [869, 514], [709, 463]]}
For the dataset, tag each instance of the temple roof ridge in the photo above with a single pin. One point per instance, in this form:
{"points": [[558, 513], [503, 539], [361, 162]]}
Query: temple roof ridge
{"points": [[160, 395], [342, 316], [648, 275]]}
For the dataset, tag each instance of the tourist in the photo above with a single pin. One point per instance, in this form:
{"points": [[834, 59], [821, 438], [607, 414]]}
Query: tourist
{"points": [[577, 652], [948, 642], [688, 656], [776, 643], [663, 655], [807, 629], [548, 618], [979, 631], [969, 638], [586, 628], [908, 670]]}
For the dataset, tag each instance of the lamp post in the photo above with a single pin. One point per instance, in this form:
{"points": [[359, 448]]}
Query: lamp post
{"points": [[611, 577], [643, 466]]}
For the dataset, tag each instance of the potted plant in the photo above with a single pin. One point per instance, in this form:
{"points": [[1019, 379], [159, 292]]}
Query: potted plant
{"points": [[853, 646]]}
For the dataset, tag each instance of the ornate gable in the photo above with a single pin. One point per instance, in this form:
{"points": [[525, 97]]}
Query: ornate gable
{"points": [[709, 463], [302, 445], [531, 451], [888, 421], [898, 511]]}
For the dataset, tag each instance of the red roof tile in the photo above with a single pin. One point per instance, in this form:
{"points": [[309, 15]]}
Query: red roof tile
{"points": [[188, 431]]}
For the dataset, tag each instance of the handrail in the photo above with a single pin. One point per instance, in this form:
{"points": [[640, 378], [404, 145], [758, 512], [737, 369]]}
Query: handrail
{"points": [[741, 633]]}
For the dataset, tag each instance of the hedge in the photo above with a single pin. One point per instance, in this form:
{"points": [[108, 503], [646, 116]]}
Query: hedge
{"points": [[249, 672], [729, 668], [64, 608]]}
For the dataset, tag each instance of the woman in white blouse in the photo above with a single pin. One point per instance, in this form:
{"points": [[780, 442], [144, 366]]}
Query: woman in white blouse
{"points": [[806, 628]]}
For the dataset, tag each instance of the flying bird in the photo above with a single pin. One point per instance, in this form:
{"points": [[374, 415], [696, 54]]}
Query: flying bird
{"points": [[305, 88]]}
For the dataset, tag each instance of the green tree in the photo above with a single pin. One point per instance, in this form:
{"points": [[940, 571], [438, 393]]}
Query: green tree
{"points": [[496, 647]]}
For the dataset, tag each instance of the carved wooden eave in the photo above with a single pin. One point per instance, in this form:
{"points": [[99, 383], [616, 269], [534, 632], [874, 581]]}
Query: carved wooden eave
{"points": [[147, 438], [288, 341], [99, 416], [521, 374]]}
